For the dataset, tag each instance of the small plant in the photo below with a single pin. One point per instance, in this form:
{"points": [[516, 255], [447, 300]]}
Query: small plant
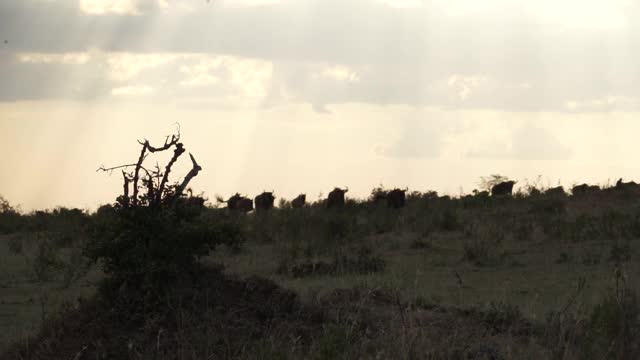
{"points": [[591, 258], [563, 258], [613, 328], [476, 252], [15, 245], [335, 343], [46, 263], [420, 243], [449, 220], [501, 317], [620, 253]]}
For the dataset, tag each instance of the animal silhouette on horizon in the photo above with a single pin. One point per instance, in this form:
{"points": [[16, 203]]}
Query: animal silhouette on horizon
{"points": [[503, 189], [299, 201], [264, 201], [336, 198], [239, 203]]}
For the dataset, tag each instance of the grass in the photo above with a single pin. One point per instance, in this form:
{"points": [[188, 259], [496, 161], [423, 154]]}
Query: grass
{"points": [[516, 260]]}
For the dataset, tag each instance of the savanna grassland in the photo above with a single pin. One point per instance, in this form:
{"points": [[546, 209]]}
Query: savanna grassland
{"points": [[531, 276]]}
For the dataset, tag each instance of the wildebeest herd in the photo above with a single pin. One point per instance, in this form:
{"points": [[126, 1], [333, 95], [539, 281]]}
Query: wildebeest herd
{"points": [[396, 198]]}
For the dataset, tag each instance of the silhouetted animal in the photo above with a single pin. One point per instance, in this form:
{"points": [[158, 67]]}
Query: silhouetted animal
{"points": [[555, 192], [264, 201], [299, 202], [584, 189], [239, 203], [504, 188], [336, 198], [627, 186], [396, 198]]}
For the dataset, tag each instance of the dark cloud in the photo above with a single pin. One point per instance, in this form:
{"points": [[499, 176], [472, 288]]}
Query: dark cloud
{"points": [[402, 56]]}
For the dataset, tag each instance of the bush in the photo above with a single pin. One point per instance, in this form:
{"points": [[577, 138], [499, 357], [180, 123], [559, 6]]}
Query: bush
{"points": [[10, 218], [152, 246], [613, 327], [46, 263], [149, 240], [335, 343]]}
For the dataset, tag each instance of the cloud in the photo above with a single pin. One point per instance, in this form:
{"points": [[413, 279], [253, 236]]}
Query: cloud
{"points": [[79, 58], [536, 143], [607, 103], [125, 66], [463, 86], [402, 3], [418, 139], [338, 73], [133, 90], [120, 7], [493, 55], [200, 80], [527, 142]]}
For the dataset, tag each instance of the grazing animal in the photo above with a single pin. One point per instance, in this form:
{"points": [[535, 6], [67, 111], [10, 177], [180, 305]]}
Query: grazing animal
{"points": [[502, 189], [299, 202], [396, 198], [627, 186], [555, 192], [584, 189], [239, 203], [264, 201], [336, 198]]}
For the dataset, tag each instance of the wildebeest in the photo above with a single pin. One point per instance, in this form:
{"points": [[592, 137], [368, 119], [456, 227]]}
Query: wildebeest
{"points": [[584, 189], [336, 198], [299, 202], [396, 198], [555, 192], [239, 203], [264, 201], [504, 188], [627, 186]]}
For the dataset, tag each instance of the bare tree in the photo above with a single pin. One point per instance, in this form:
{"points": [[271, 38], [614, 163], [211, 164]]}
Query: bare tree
{"points": [[155, 181]]}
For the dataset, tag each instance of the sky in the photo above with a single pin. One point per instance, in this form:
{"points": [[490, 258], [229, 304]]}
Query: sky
{"points": [[299, 96]]}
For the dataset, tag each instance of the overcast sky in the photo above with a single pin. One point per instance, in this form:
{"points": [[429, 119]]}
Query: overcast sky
{"points": [[299, 96]]}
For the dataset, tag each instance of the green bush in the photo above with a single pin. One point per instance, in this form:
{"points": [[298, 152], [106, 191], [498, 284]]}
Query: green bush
{"points": [[46, 264], [613, 329], [152, 246], [335, 343]]}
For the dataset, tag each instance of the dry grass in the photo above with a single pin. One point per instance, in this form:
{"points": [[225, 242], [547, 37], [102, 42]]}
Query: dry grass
{"points": [[476, 277]]}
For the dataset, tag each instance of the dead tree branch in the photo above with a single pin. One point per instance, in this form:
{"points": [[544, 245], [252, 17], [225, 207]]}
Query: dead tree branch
{"points": [[192, 173], [126, 189], [156, 181], [136, 175], [176, 154]]}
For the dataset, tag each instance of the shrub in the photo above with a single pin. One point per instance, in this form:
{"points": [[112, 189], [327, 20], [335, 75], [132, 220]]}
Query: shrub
{"points": [[10, 218], [476, 252], [148, 240], [614, 325], [46, 263], [449, 220], [155, 245], [335, 343]]}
